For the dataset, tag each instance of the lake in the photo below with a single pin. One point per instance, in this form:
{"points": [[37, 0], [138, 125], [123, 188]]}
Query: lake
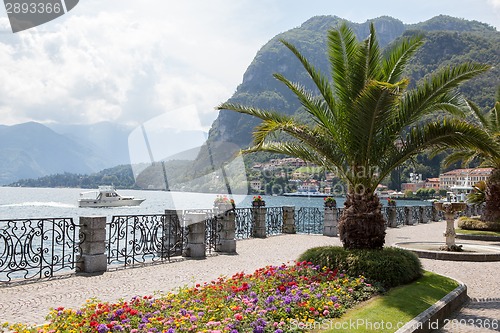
{"points": [[21, 203]]}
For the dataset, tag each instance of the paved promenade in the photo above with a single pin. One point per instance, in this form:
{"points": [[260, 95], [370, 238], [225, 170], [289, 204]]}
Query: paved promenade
{"points": [[29, 303]]}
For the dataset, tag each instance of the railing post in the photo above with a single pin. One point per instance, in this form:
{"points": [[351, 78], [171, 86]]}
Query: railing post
{"points": [[196, 247], [434, 214], [423, 216], [392, 220], [289, 220], [408, 216], [226, 235], [172, 244], [259, 222], [330, 226], [93, 256]]}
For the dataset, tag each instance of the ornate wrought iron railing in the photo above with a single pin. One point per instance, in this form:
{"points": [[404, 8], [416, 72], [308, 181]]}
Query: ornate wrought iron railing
{"points": [[309, 220], [401, 216], [38, 248], [140, 239], [244, 223], [274, 221], [212, 231]]}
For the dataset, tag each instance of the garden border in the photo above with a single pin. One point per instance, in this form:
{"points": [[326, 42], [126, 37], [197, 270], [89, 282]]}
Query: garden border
{"points": [[434, 317], [484, 238]]}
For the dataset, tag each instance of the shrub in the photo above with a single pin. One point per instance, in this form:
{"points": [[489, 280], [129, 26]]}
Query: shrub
{"points": [[471, 223], [390, 266]]}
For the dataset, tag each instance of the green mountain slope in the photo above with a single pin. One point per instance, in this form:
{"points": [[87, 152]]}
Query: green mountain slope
{"points": [[448, 40]]}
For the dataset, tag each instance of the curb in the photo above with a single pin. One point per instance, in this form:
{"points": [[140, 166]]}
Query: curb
{"points": [[452, 256], [485, 238], [435, 317]]}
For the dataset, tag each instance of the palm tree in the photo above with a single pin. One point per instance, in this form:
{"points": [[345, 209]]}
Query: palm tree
{"points": [[366, 122], [490, 122]]}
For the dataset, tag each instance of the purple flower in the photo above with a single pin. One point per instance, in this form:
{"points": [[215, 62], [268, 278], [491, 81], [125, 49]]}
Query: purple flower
{"points": [[102, 328]]}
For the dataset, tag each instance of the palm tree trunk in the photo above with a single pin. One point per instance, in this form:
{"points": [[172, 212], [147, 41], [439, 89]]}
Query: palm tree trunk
{"points": [[362, 224], [492, 208]]}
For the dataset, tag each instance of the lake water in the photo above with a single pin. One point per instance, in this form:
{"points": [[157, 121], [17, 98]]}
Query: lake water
{"points": [[20, 203]]}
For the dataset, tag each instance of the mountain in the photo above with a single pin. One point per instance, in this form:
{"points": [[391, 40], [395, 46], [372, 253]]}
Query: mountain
{"points": [[107, 140], [32, 150], [448, 40]]}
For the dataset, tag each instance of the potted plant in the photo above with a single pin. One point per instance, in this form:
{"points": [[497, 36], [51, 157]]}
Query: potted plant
{"points": [[391, 202], [257, 201], [222, 202], [330, 202]]}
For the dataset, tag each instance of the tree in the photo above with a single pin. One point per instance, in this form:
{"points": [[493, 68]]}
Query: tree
{"points": [[490, 122], [367, 121]]}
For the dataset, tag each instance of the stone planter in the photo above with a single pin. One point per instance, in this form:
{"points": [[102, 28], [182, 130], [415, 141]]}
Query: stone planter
{"points": [[223, 207], [330, 205], [257, 204]]}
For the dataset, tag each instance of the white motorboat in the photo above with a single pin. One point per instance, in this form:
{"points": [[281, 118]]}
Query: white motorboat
{"points": [[106, 196]]}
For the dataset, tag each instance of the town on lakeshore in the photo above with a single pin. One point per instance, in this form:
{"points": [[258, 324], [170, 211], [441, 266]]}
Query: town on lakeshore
{"points": [[296, 177]]}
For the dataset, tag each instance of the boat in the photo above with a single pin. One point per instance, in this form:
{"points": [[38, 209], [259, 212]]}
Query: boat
{"points": [[106, 196], [307, 191]]}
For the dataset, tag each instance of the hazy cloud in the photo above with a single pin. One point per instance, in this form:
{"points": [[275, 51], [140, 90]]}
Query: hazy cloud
{"points": [[128, 61]]}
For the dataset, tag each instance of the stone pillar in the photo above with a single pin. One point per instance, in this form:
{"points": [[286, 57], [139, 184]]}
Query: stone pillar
{"points": [[330, 226], [434, 214], [196, 236], [172, 233], [423, 216], [408, 220], [392, 220], [259, 222], [289, 220], [227, 243], [93, 256], [449, 233]]}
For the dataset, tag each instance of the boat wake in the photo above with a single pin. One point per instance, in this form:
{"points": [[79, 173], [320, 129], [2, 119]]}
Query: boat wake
{"points": [[40, 204]]}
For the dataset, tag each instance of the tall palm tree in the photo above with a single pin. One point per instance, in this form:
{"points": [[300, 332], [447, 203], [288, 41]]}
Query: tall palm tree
{"points": [[490, 122], [367, 121]]}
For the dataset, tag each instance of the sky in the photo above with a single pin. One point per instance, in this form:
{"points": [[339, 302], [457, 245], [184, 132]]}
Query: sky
{"points": [[130, 61]]}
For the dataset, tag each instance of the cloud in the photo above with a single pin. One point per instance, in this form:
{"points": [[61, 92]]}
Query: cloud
{"points": [[495, 3], [126, 61]]}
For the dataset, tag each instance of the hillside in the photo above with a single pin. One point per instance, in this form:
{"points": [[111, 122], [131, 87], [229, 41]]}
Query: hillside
{"points": [[448, 40]]}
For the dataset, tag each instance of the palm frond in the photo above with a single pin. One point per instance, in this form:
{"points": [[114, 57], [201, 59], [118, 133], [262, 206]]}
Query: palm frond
{"points": [[321, 82], [343, 48], [436, 91], [399, 55]]}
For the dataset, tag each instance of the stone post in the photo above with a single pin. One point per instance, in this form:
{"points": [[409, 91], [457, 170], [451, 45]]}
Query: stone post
{"points": [[330, 227], [423, 216], [392, 220], [196, 236], [289, 220], [434, 214], [408, 216], [93, 256], [172, 233], [259, 222], [227, 239]]}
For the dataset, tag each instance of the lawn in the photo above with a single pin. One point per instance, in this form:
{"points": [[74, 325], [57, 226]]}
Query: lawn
{"points": [[478, 232], [387, 313]]}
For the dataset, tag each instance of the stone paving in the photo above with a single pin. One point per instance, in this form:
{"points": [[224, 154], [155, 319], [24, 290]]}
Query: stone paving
{"points": [[29, 303]]}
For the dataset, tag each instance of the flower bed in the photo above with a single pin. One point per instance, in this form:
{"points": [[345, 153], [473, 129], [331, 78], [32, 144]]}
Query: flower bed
{"points": [[272, 299]]}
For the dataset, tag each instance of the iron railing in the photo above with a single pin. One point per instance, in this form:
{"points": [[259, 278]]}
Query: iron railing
{"points": [[309, 220], [274, 221], [38, 248], [243, 222], [140, 239]]}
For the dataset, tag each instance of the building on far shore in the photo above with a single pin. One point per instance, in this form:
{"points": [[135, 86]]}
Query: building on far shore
{"points": [[463, 177]]}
